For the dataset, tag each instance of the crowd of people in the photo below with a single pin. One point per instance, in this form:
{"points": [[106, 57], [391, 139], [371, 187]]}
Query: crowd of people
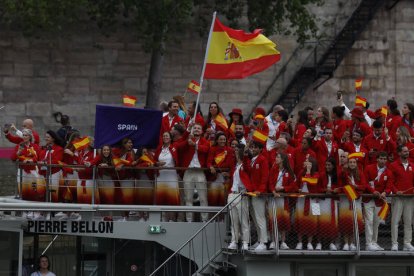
{"points": [[319, 151]]}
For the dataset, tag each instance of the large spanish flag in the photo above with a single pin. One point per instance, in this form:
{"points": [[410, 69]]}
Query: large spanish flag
{"points": [[234, 54]]}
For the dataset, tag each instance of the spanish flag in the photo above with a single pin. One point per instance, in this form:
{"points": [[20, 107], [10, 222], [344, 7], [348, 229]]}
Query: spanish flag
{"points": [[219, 158], [383, 212], [221, 121], [259, 136], [232, 129], [194, 87], [350, 192], [310, 180], [356, 155], [360, 101], [358, 84], [119, 161], [234, 54], [129, 100], [148, 159], [384, 110], [81, 143]]}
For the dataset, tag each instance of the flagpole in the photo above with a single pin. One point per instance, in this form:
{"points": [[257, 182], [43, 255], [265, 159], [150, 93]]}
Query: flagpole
{"points": [[204, 65]]}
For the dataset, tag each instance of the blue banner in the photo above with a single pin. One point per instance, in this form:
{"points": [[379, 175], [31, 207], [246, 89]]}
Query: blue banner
{"points": [[113, 123]]}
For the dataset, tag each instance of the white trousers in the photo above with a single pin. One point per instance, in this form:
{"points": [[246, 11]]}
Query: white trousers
{"points": [[195, 179], [259, 218], [372, 222], [401, 206], [239, 215]]}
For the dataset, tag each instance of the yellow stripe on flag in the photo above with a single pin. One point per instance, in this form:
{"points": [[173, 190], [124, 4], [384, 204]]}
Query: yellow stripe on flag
{"points": [[350, 192], [147, 159], [356, 155], [259, 136], [384, 110], [310, 180], [360, 101], [358, 84], [220, 120], [383, 212], [81, 143], [129, 100], [219, 158], [116, 161]]}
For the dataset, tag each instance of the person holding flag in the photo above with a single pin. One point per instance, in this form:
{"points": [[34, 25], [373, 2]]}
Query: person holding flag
{"points": [[220, 156], [379, 178], [86, 183], [236, 117], [198, 117], [403, 181], [215, 122]]}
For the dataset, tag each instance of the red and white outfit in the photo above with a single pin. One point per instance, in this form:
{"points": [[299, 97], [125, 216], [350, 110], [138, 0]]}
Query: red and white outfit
{"points": [[167, 190], [193, 158], [85, 188], [126, 178], [377, 144], [28, 174], [105, 180], [51, 155], [380, 180], [328, 219], [219, 157]]}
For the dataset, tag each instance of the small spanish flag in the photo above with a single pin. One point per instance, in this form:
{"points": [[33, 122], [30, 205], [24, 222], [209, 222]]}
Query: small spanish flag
{"points": [[116, 161], [310, 180], [32, 152], [356, 155], [219, 158], [250, 194], [129, 100], [81, 143], [350, 192], [221, 121], [358, 84], [384, 110], [383, 212], [360, 101], [259, 136], [148, 159], [194, 87]]}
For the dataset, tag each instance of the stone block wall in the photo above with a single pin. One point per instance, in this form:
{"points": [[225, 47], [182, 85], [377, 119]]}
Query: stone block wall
{"points": [[383, 55]]}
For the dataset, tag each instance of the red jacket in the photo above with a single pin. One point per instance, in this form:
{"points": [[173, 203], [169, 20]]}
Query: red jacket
{"points": [[313, 188], [187, 151], [299, 156], [296, 140], [29, 153], [166, 126], [360, 186], [381, 184], [17, 140], [173, 152], [244, 176], [377, 145], [288, 180], [339, 127], [349, 147], [402, 179], [199, 120], [259, 173], [228, 161], [321, 150], [83, 157], [361, 126], [129, 157], [51, 156], [323, 182], [401, 122], [392, 123]]}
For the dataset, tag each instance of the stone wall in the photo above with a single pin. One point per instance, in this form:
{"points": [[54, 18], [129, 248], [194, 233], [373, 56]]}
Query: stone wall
{"points": [[383, 55], [75, 72]]}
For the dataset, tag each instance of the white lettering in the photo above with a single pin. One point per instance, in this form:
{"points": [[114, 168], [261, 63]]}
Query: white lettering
{"points": [[127, 127]]}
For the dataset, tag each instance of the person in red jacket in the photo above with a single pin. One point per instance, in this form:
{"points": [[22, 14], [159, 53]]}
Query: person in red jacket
{"points": [[239, 207], [18, 137], [355, 146], [302, 124], [379, 178], [171, 119], [106, 175], [281, 180], [85, 186], [306, 221], [301, 153], [328, 219], [258, 170], [358, 122], [166, 189], [338, 122], [325, 147], [376, 142], [215, 122], [194, 151], [27, 152], [190, 116], [220, 156], [393, 118], [51, 154], [403, 138], [351, 175], [403, 176]]}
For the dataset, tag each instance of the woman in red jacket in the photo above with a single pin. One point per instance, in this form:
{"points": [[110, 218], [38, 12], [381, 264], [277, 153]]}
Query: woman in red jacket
{"points": [[51, 154], [27, 152], [166, 189], [281, 180], [353, 176], [124, 157], [105, 175], [306, 220], [404, 139], [322, 119], [86, 181], [328, 219], [215, 121], [302, 124], [220, 156]]}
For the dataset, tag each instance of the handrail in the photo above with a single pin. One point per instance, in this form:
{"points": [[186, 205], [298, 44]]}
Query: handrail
{"points": [[195, 234]]}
